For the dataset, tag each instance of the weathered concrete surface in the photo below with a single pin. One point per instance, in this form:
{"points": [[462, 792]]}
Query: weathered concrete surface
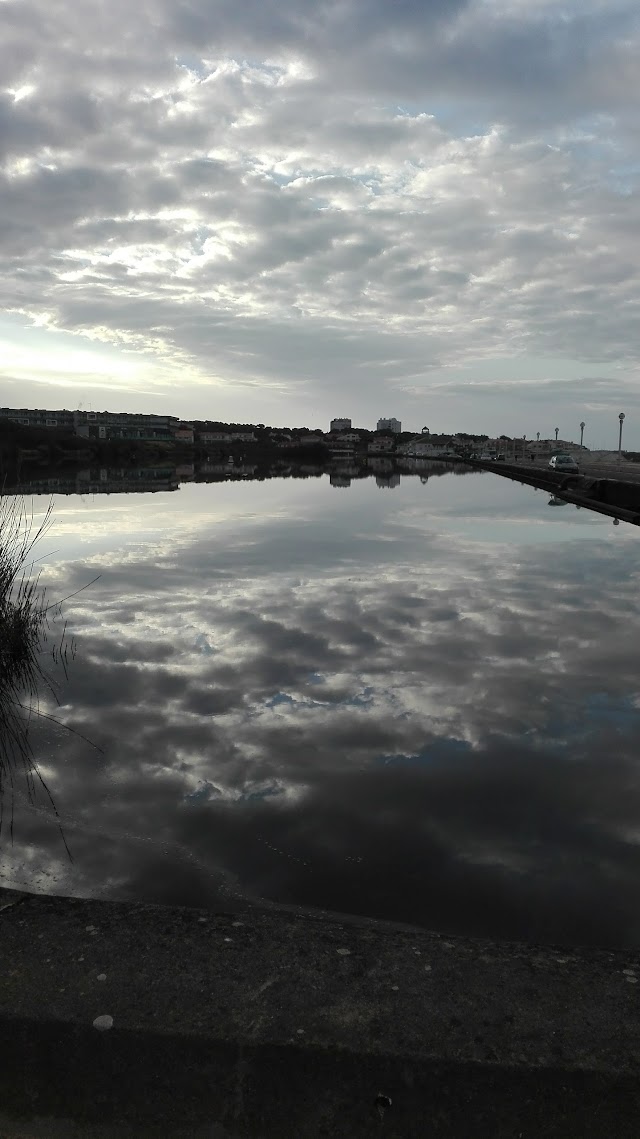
{"points": [[615, 497], [267, 1023]]}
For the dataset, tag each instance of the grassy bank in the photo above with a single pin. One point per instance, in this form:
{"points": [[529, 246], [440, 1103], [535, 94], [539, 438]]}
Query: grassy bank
{"points": [[31, 638]]}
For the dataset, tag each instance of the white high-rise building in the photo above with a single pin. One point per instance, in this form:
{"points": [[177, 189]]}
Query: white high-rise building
{"points": [[340, 425], [390, 425]]}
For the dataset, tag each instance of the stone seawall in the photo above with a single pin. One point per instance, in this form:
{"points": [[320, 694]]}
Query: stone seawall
{"points": [[123, 1019]]}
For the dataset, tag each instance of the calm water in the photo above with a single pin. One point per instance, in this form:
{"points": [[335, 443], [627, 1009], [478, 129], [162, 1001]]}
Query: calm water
{"points": [[419, 703]]}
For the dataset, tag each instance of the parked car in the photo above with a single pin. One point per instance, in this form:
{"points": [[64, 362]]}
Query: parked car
{"points": [[486, 457], [564, 463]]}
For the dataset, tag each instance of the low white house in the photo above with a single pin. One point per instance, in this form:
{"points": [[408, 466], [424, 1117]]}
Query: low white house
{"points": [[381, 446], [226, 437]]}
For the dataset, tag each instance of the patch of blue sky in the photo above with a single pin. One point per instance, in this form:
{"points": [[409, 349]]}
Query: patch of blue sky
{"points": [[600, 710], [261, 793], [363, 699], [459, 118], [202, 645], [625, 178], [194, 64], [190, 61], [280, 698], [203, 793], [282, 179], [440, 750], [619, 712]]}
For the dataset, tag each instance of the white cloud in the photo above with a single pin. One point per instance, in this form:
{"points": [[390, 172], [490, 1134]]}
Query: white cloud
{"points": [[290, 195]]}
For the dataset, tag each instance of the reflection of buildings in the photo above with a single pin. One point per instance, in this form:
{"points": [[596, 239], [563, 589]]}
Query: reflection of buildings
{"points": [[122, 480], [114, 480], [227, 468], [384, 466], [105, 480], [185, 472]]}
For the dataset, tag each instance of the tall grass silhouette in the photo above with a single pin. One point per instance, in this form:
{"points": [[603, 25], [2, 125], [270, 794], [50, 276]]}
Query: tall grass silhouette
{"points": [[33, 637]]}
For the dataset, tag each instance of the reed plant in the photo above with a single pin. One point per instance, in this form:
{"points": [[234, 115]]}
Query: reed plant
{"points": [[33, 637]]}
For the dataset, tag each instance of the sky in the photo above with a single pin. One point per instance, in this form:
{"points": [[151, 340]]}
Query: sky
{"points": [[284, 212]]}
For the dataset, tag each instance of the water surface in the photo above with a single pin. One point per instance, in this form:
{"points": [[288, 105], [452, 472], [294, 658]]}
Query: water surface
{"points": [[418, 702]]}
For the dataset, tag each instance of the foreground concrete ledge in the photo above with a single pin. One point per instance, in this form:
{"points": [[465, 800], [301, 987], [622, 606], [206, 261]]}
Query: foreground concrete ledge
{"points": [[267, 1021]]}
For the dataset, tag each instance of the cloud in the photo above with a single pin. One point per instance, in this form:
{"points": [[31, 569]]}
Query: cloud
{"points": [[316, 201]]}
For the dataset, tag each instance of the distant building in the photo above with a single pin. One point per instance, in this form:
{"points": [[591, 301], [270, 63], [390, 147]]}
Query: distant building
{"points": [[425, 447], [552, 446], [183, 432], [38, 418], [340, 425], [97, 424], [226, 437], [213, 436], [381, 446], [390, 425]]}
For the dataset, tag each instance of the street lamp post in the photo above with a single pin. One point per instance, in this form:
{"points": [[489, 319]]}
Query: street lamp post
{"points": [[582, 427], [621, 418]]}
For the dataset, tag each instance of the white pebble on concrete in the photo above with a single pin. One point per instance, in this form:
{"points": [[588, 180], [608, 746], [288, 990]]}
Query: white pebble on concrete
{"points": [[102, 1023]]}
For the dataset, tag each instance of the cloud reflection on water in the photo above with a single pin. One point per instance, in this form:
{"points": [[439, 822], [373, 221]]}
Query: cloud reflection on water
{"points": [[434, 729]]}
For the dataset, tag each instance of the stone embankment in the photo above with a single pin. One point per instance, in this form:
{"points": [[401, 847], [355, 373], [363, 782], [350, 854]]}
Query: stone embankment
{"points": [[123, 1019]]}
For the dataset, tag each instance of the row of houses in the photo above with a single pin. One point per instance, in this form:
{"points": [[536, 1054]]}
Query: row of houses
{"points": [[123, 425], [104, 424], [108, 425]]}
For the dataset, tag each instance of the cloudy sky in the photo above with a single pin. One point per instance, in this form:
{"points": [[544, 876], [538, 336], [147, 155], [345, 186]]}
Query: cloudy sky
{"points": [[284, 210]]}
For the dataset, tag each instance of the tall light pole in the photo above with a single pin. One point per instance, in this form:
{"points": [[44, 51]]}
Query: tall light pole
{"points": [[621, 418], [582, 427]]}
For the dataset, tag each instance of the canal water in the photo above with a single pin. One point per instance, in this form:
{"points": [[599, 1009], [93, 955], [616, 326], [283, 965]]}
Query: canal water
{"points": [[417, 702]]}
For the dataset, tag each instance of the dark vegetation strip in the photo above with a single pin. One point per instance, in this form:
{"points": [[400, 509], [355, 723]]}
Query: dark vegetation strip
{"points": [[31, 637]]}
